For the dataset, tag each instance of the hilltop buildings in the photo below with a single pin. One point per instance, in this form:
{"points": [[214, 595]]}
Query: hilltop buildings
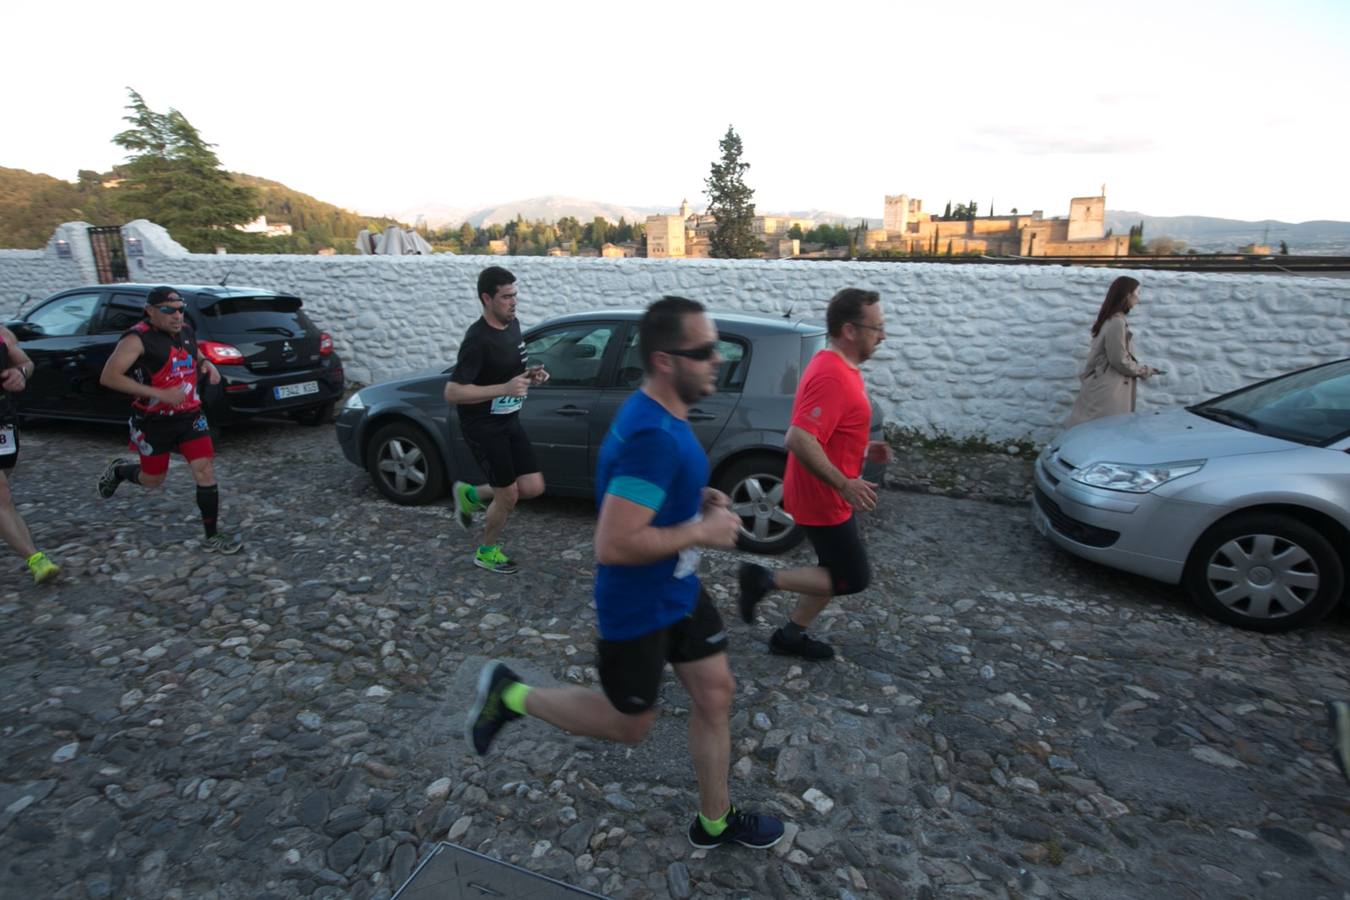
{"points": [[909, 231]]}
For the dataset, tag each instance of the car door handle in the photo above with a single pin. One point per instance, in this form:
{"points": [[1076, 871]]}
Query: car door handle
{"points": [[698, 415], [572, 411]]}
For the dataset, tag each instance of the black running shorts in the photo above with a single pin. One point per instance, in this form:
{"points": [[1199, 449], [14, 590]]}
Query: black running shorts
{"points": [[840, 549], [502, 449], [630, 671]]}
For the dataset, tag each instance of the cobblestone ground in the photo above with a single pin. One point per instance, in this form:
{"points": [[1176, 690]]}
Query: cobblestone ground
{"points": [[1004, 720]]}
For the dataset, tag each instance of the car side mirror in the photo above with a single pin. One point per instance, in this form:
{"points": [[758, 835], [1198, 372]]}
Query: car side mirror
{"points": [[27, 331]]}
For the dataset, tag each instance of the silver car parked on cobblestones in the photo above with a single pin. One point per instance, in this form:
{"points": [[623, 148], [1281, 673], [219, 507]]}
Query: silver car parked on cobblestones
{"points": [[405, 436], [1244, 499]]}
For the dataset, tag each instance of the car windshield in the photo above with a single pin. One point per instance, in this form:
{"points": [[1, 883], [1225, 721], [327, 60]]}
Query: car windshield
{"points": [[280, 316], [1310, 407]]}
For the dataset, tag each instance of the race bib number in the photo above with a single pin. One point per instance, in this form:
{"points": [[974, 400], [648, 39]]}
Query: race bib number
{"points": [[7, 445], [687, 563], [502, 406]]}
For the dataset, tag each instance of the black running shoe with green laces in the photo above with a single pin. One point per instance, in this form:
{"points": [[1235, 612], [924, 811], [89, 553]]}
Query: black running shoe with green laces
{"points": [[489, 714], [494, 560], [748, 829], [463, 504]]}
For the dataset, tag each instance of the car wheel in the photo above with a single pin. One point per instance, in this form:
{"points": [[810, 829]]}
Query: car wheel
{"points": [[1266, 572], [314, 415], [405, 464], [755, 486]]}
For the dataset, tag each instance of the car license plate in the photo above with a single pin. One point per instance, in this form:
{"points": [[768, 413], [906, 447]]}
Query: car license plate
{"points": [[287, 391]]}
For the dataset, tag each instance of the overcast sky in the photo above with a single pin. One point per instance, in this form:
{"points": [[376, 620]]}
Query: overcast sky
{"points": [[1233, 109]]}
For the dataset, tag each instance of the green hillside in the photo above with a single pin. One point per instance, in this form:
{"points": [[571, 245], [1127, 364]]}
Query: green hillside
{"points": [[32, 205], [315, 224]]}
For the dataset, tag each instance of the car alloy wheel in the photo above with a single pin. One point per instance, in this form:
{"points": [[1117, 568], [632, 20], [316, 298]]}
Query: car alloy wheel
{"points": [[755, 486], [1265, 572], [405, 465]]}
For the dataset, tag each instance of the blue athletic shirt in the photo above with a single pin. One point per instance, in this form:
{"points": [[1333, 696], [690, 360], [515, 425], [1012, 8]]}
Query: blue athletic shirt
{"points": [[653, 459]]}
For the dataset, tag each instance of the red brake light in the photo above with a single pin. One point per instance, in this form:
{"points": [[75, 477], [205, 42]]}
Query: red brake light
{"points": [[325, 343], [220, 354]]}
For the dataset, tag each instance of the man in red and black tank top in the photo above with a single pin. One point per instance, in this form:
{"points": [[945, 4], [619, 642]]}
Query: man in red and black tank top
{"points": [[156, 363], [15, 370]]}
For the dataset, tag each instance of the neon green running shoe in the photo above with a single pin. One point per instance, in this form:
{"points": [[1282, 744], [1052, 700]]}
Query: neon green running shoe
{"points": [[465, 503], [494, 560], [43, 569]]}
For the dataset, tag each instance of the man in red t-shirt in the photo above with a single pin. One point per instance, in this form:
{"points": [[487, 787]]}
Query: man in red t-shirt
{"points": [[827, 443]]}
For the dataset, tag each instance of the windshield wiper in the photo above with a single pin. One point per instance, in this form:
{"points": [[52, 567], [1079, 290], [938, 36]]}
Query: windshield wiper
{"points": [[1232, 417]]}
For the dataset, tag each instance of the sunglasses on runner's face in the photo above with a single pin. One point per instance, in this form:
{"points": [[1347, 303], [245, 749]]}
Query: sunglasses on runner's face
{"points": [[700, 354], [170, 310]]}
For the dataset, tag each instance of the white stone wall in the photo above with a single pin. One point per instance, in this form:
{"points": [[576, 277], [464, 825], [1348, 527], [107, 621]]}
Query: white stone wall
{"points": [[38, 273], [971, 350]]}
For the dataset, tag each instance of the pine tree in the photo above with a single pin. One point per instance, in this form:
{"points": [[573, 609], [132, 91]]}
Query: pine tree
{"points": [[731, 201], [947, 213], [174, 178]]}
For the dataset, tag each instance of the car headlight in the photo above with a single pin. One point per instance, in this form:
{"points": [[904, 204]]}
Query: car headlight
{"points": [[1135, 479], [354, 402]]}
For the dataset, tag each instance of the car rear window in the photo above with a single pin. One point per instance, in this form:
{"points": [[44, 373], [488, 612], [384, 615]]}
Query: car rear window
{"points": [[258, 315]]}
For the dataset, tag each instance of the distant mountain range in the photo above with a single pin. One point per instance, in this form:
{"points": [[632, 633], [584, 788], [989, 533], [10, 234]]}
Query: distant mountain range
{"points": [[1321, 237], [552, 208], [1203, 233]]}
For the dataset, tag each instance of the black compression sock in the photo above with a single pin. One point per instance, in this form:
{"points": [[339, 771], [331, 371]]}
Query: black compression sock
{"points": [[128, 472], [208, 501]]}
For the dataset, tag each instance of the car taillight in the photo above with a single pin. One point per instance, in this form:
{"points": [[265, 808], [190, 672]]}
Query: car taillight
{"points": [[325, 343], [221, 354]]}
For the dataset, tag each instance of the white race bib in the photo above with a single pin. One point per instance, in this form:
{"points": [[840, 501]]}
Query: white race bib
{"points": [[7, 445], [502, 406], [687, 564]]}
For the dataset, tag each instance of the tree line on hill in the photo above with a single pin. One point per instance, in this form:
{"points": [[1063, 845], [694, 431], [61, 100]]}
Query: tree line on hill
{"points": [[536, 238]]}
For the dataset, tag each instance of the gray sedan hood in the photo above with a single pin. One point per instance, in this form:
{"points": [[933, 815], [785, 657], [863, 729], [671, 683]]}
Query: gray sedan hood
{"points": [[1170, 436]]}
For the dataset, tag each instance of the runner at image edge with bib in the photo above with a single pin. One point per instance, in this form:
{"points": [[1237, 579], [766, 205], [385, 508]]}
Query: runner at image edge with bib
{"points": [[15, 370]]}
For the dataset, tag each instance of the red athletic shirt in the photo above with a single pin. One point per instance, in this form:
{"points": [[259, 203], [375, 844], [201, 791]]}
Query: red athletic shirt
{"points": [[166, 361], [832, 406]]}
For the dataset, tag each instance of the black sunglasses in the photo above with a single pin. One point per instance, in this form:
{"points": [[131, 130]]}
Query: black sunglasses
{"points": [[170, 310], [700, 354]]}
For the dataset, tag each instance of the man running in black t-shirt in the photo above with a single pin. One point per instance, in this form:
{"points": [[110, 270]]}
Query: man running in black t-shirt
{"points": [[156, 362], [489, 385]]}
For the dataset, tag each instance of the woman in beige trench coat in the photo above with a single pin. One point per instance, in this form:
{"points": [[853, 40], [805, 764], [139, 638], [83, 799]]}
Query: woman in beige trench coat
{"points": [[1109, 377]]}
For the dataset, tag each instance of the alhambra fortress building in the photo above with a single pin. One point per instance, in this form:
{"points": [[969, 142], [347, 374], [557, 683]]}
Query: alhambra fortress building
{"points": [[909, 231]]}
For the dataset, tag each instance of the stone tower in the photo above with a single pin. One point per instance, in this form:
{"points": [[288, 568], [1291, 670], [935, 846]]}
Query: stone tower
{"points": [[896, 216], [1087, 217]]}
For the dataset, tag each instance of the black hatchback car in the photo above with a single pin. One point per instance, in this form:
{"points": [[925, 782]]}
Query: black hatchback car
{"points": [[273, 360]]}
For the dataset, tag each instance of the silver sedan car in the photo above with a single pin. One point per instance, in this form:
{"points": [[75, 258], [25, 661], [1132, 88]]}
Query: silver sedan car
{"points": [[1244, 499]]}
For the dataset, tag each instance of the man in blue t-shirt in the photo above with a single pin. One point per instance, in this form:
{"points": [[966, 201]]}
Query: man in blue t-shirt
{"points": [[655, 511]]}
